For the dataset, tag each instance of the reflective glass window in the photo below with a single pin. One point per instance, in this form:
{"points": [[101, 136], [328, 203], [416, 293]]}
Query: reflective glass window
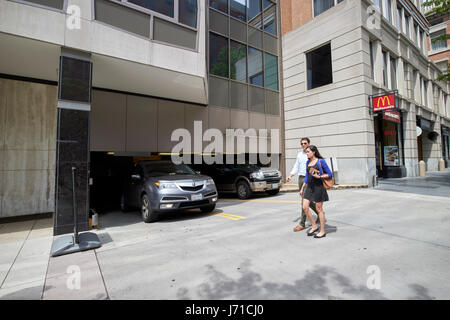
{"points": [[221, 5], [322, 6], [218, 55], [165, 7], [187, 12], [270, 20], [237, 9], [255, 67], [270, 71], [238, 61], [254, 8], [267, 3]]}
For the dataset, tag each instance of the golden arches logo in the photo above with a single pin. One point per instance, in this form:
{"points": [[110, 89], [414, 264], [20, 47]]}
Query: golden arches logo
{"points": [[383, 98]]}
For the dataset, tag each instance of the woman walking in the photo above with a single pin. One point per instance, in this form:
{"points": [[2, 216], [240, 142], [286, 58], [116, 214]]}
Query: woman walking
{"points": [[316, 170]]}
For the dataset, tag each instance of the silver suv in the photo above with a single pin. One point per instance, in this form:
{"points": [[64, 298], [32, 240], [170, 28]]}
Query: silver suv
{"points": [[161, 186]]}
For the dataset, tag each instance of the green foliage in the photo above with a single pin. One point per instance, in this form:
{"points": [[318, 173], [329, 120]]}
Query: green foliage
{"points": [[439, 7]]}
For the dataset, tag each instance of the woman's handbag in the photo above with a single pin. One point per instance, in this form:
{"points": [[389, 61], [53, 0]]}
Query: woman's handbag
{"points": [[327, 182]]}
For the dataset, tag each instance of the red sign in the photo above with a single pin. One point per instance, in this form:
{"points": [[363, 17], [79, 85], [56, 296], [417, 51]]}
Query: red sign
{"points": [[393, 116], [383, 102], [389, 133]]}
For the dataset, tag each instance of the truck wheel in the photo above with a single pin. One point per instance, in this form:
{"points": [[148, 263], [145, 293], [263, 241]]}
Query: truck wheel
{"points": [[243, 190], [148, 215]]}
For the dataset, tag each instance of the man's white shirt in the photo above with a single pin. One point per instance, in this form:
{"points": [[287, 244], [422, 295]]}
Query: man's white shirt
{"points": [[300, 164]]}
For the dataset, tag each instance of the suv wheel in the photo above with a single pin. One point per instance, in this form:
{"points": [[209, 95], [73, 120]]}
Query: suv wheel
{"points": [[243, 190], [209, 208], [148, 215]]}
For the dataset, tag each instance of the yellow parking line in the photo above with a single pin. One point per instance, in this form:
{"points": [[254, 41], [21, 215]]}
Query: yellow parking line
{"points": [[227, 216], [232, 215], [270, 201]]}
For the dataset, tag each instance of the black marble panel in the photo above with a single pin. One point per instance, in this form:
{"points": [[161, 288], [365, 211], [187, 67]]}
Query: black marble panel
{"points": [[72, 151]]}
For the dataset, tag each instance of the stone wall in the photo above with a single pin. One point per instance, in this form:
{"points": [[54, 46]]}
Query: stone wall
{"points": [[27, 147]]}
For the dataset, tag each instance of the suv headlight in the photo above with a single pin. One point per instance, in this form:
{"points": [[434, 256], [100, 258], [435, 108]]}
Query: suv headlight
{"points": [[210, 182], [257, 175], [165, 185]]}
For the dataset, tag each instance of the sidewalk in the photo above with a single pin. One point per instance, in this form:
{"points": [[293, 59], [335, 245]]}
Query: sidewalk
{"points": [[24, 255]]}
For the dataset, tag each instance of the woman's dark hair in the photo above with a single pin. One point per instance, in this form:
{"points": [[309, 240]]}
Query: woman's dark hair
{"points": [[316, 151]]}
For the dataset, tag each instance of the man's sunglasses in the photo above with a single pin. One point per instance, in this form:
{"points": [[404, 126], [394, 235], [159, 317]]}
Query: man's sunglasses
{"points": [[304, 142]]}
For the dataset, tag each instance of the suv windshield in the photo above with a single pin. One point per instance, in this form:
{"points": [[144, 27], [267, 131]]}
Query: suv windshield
{"points": [[166, 168]]}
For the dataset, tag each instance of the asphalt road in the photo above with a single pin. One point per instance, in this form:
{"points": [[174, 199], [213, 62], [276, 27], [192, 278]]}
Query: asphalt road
{"points": [[380, 244]]}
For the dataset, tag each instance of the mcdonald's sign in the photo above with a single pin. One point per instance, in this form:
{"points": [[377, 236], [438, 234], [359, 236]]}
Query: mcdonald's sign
{"points": [[383, 102]]}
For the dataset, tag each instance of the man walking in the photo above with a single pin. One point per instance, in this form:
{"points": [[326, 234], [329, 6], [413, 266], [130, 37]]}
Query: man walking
{"points": [[300, 168]]}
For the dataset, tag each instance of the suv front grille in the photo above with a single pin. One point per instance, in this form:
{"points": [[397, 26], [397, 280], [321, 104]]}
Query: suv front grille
{"points": [[193, 203], [197, 188]]}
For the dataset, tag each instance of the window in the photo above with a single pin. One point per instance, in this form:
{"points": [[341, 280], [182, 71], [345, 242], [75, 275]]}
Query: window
{"points": [[237, 9], [238, 61], [321, 6], [419, 38], [218, 55], [255, 67], [165, 7], [254, 9], [270, 71], [425, 93], [387, 10], [187, 11], [319, 69], [385, 66], [372, 66], [393, 74], [407, 26], [440, 44], [221, 5], [270, 19], [56, 4], [399, 19]]}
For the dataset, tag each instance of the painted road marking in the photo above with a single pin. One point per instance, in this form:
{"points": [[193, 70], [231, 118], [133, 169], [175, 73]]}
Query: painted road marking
{"points": [[227, 216], [270, 201]]}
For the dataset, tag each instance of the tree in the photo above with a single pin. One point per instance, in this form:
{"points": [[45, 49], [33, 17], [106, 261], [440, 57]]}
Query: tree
{"points": [[439, 7]]}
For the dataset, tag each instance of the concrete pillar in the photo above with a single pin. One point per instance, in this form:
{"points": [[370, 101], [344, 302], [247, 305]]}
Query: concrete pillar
{"points": [[441, 165], [410, 138], [422, 168]]}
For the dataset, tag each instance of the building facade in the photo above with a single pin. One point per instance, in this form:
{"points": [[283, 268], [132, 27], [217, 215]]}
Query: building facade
{"points": [[439, 52], [337, 56], [95, 84]]}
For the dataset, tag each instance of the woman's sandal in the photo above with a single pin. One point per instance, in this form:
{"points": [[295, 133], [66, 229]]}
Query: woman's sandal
{"points": [[318, 237], [312, 233]]}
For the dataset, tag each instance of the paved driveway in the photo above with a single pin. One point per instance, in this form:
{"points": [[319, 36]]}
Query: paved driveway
{"points": [[247, 250]]}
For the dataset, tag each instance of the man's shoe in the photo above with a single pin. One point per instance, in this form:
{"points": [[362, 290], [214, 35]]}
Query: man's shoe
{"points": [[299, 228]]}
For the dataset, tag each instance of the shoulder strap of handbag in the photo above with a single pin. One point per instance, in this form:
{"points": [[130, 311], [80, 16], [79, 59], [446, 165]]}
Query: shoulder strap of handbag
{"points": [[320, 165]]}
